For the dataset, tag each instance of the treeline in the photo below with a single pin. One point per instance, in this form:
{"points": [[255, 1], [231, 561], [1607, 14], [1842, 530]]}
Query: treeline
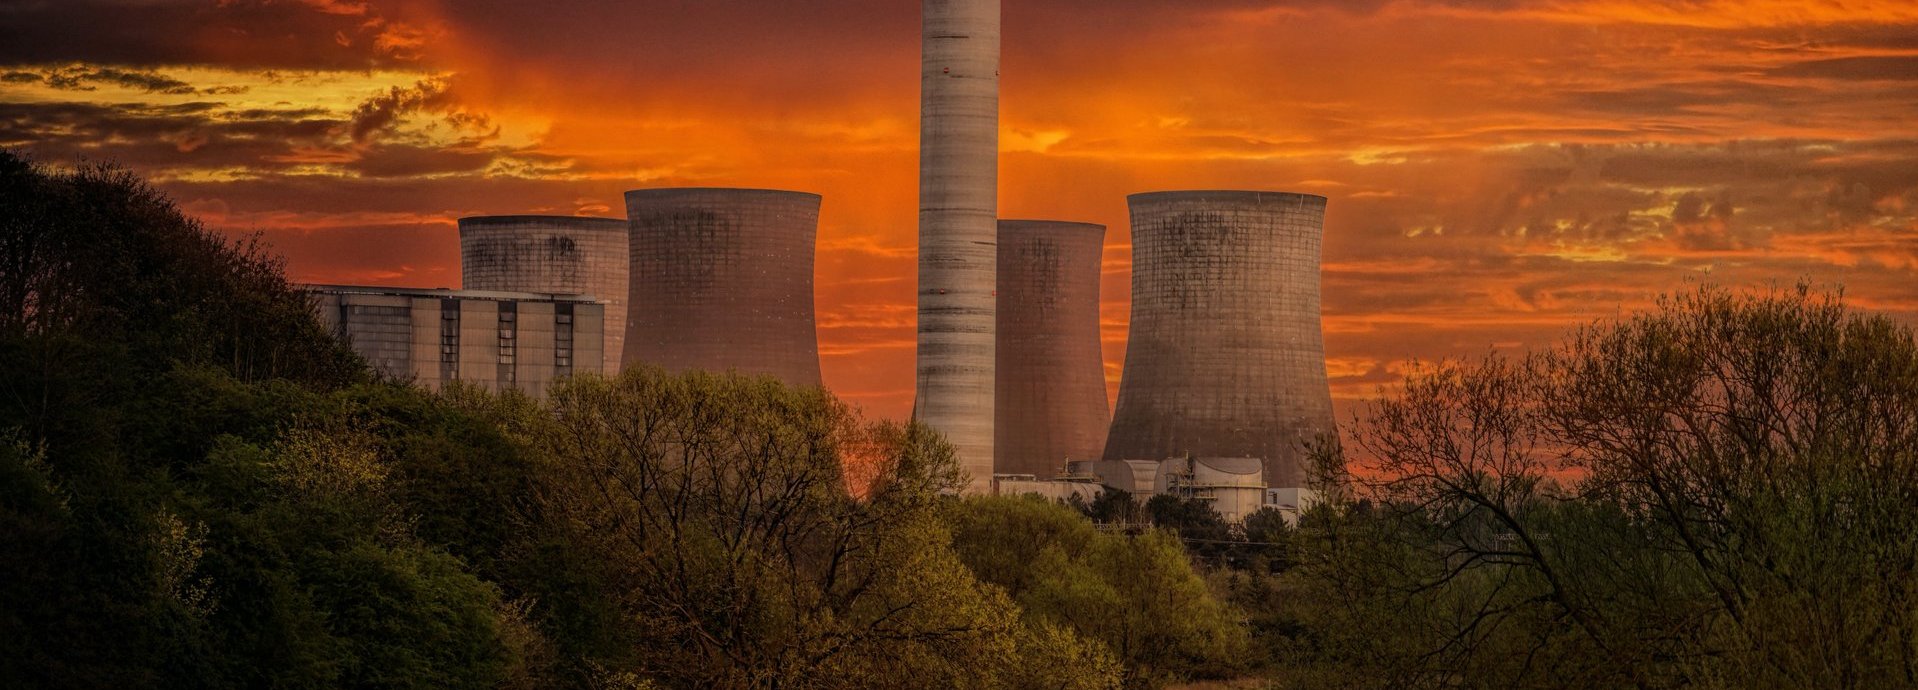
{"points": [[200, 488]]}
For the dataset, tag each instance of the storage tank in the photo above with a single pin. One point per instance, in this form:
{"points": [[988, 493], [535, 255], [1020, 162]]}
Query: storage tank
{"points": [[958, 221], [1224, 357], [722, 279], [561, 255], [1050, 391]]}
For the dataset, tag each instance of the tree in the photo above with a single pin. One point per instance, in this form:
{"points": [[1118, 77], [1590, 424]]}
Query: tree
{"points": [[1268, 541], [1137, 594], [1195, 522], [1115, 507], [1714, 493], [737, 554], [189, 496]]}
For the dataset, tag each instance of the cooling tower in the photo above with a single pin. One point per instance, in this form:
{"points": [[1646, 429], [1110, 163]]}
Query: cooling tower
{"points": [[722, 280], [958, 221], [1051, 387], [564, 255], [1224, 358]]}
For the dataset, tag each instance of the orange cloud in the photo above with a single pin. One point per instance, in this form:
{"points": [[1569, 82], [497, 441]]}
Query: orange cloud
{"points": [[1499, 170]]}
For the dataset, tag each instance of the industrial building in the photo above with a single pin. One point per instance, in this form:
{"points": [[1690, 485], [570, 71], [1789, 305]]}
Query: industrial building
{"points": [[1224, 357], [958, 224], [1232, 487], [1050, 390], [722, 280], [497, 340], [565, 255]]}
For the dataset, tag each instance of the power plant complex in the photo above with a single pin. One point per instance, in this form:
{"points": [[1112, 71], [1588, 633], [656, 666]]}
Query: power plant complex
{"points": [[1224, 386]]}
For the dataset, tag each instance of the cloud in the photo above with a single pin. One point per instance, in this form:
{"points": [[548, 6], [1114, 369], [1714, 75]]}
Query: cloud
{"points": [[1861, 68], [1498, 170], [380, 113], [236, 33], [84, 78]]}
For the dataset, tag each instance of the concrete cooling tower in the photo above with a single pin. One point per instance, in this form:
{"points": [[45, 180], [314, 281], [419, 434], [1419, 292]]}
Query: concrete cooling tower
{"points": [[1051, 387], [565, 255], [722, 279], [958, 220], [1225, 356]]}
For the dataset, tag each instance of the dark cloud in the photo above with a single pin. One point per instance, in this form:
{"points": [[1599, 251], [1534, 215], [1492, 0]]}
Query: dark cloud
{"points": [[380, 113], [235, 33], [1861, 67], [1668, 98], [1704, 225], [83, 78], [411, 161]]}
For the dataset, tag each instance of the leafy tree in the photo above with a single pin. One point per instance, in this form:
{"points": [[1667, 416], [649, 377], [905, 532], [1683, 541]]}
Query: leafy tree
{"points": [[1715, 493], [737, 555], [1268, 541], [1197, 525], [190, 497], [1137, 594], [1115, 507]]}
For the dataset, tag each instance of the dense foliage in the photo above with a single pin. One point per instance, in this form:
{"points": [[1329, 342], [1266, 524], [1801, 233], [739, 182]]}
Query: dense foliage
{"points": [[1137, 594], [1716, 493]]}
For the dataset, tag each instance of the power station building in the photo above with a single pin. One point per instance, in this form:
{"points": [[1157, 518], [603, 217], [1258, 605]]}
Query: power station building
{"points": [[1232, 487], [958, 224], [497, 340], [565, 255], [722, 280], [1050, 389], [1225, 358]]}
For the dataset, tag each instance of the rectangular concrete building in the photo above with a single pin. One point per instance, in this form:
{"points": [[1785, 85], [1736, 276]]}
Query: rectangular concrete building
{"points": [[498, 340]]}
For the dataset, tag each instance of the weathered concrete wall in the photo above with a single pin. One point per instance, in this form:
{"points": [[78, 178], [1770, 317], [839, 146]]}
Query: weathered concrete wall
{"points": [[1225, 356], [497, 340], [1050, 393], [722, 279], [379, 327], [552, 254], [958, 214]]}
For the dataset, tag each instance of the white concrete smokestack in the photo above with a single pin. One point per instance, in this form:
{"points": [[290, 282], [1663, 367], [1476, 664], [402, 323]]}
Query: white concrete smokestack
{"points": [[958, 226]]}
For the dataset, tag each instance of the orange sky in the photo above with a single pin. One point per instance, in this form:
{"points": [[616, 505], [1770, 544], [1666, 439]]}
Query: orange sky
{"points": [[1498, 170]]}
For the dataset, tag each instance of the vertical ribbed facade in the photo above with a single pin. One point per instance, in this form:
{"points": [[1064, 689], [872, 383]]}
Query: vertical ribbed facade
{"points": [[1051, 391], [722, 279], [958, 219], [1224, 356], [564, 255]]}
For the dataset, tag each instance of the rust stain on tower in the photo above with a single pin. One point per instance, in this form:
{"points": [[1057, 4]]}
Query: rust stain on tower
{"points": [[1225, 357], [563, 255], [722, 280], [1050, 390]]}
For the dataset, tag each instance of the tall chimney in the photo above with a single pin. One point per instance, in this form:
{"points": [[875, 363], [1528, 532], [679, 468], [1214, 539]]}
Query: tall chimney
{"points": [[958, 225]]}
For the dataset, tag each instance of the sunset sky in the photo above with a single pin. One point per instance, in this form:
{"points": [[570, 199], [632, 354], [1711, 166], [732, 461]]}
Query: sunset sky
{"points": [[1498, 170]]}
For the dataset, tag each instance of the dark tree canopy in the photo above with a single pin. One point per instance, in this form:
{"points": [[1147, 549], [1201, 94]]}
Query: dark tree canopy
{"points": [[99, 258], [1715, 493]]}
